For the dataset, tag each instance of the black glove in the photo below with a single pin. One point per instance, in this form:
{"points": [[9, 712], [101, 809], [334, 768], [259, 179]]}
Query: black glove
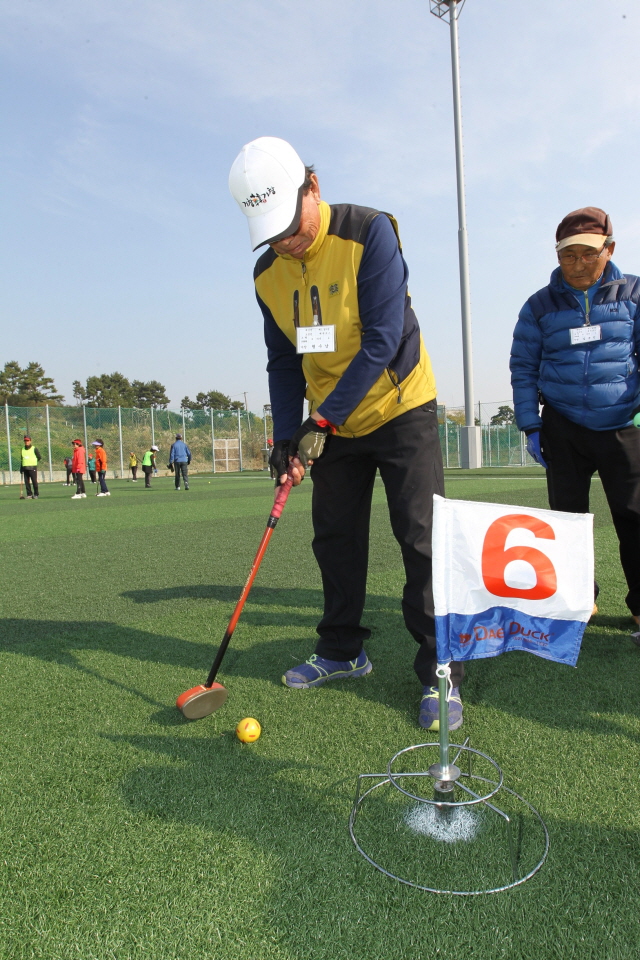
{"points": [[279, 458], [309, 439]]}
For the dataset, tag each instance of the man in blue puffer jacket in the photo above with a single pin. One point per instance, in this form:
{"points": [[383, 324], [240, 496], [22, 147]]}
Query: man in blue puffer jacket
{"points": [[575, 350]]}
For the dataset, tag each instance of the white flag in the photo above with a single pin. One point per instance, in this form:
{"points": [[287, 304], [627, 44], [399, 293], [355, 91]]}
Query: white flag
{"points": [[510, 578]]}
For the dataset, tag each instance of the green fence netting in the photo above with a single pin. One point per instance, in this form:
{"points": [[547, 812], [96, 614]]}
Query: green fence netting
{"points": [[220, 441]]}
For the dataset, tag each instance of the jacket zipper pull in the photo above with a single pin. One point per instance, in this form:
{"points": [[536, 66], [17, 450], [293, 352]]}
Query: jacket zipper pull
{"points": [[396, 383], [587, 309]]}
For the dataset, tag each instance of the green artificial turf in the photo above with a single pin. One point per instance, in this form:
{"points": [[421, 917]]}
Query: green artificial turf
{"points": [[128, 832]]}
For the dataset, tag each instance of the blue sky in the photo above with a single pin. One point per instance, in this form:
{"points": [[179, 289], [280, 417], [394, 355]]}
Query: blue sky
{"points": [[123, 250]]}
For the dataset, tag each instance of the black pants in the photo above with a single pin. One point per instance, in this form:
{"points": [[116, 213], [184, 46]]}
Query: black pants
{"points": [[69, 475], [92, 475], [78, 477], [30, 477], [147, 470], [407, 453], [573, 454], [134, 472], [181, 467], [103, 483]]}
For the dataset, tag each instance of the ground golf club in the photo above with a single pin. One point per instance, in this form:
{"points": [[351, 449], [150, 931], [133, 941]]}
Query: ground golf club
{"points": [[206, 698]]}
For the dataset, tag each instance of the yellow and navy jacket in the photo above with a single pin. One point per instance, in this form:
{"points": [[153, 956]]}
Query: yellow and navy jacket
{"points": [[352, 276]]}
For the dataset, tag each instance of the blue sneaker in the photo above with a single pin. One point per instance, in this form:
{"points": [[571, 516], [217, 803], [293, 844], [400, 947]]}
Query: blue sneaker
{"points": [[317, 670], [430, 709]]}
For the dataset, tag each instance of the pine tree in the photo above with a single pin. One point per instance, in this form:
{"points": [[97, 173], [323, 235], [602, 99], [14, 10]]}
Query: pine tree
{"points": [[28, 386]]}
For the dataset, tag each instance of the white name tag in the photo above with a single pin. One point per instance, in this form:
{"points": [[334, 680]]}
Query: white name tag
{"points": [[320, 339], [585, 334]]}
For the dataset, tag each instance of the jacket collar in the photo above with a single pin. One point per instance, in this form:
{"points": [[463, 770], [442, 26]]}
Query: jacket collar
{"points": [[325, 218], [612, 276]]}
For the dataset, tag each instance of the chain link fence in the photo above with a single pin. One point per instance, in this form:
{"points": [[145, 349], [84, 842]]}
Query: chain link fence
{"points": [[503, 445], [220, 441]]}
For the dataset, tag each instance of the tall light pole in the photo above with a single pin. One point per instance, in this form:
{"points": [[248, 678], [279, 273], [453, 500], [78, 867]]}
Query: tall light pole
{"points": [[470, 446]]}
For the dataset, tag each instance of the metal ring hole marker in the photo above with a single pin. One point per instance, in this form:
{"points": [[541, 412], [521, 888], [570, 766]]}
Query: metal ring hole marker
{"points": [[441, 818]]}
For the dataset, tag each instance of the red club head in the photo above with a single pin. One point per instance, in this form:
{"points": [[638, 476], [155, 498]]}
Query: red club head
{"points": [[200, 701]]}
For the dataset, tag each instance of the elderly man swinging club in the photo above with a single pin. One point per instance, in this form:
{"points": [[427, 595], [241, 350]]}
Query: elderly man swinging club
{"points": [[340, 329], [575, 348]]}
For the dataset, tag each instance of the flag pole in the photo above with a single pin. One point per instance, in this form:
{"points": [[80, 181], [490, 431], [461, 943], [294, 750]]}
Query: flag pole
{"points": [[445, 774], [443, 710]]}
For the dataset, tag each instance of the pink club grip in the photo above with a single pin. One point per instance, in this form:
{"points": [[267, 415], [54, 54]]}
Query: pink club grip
{"points": [[281, 497]]}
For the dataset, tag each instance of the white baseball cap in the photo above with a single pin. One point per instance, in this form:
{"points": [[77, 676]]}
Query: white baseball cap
{"points": [[266, 182]]}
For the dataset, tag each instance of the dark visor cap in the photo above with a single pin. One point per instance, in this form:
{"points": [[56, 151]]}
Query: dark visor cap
{"points": [[585, 222]]}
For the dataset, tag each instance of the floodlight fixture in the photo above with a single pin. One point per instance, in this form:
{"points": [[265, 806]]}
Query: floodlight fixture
{"points": [[442, 9]]}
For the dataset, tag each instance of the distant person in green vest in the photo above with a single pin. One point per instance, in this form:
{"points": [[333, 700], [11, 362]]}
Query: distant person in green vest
{"points": [[91, 464], [79, 466], [133, 466], [148, 464], [29, 459]]}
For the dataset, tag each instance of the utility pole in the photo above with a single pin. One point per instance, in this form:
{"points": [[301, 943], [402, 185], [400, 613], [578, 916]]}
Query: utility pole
{"points": [[471, 446], [6, 413]]}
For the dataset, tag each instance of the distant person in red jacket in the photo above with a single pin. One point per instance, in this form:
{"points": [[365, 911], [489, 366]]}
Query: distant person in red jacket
{"points": [[101, 467], [78, 468]]}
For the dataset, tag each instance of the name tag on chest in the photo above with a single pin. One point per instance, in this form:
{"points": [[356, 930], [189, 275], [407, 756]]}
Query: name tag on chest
{"points": [[320, 339], [585, 334]]}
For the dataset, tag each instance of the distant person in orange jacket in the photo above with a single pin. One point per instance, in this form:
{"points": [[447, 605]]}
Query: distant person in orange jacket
{"points": [[78, 468], [101, 467]]}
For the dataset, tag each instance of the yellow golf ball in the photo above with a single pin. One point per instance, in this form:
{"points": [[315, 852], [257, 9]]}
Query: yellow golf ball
{"points": [[248, 730]]}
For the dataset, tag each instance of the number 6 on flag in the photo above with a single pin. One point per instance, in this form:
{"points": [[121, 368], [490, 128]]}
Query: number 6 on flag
{"points": [[510, 578], [495, 558]]}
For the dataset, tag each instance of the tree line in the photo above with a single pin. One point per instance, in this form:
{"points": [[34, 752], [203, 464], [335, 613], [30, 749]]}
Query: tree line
{"points": [[30, 387], [503, 417], [213, 400], [115, 390]]}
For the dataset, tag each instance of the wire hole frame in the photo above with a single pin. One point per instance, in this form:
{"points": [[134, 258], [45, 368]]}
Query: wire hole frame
{"points": [[496, 786]]}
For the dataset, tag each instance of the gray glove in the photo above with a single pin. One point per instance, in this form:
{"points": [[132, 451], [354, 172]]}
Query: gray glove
{"points": [[309, 439]]}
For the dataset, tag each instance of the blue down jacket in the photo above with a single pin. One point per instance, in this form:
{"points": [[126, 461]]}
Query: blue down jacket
{"points": [[179, 452], [594, 384]]}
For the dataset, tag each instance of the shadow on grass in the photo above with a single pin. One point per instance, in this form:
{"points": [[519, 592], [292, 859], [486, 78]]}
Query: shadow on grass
{"points": [[517, 683], [605, 682], [264, 596], [588, 698], [297, 819]]}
